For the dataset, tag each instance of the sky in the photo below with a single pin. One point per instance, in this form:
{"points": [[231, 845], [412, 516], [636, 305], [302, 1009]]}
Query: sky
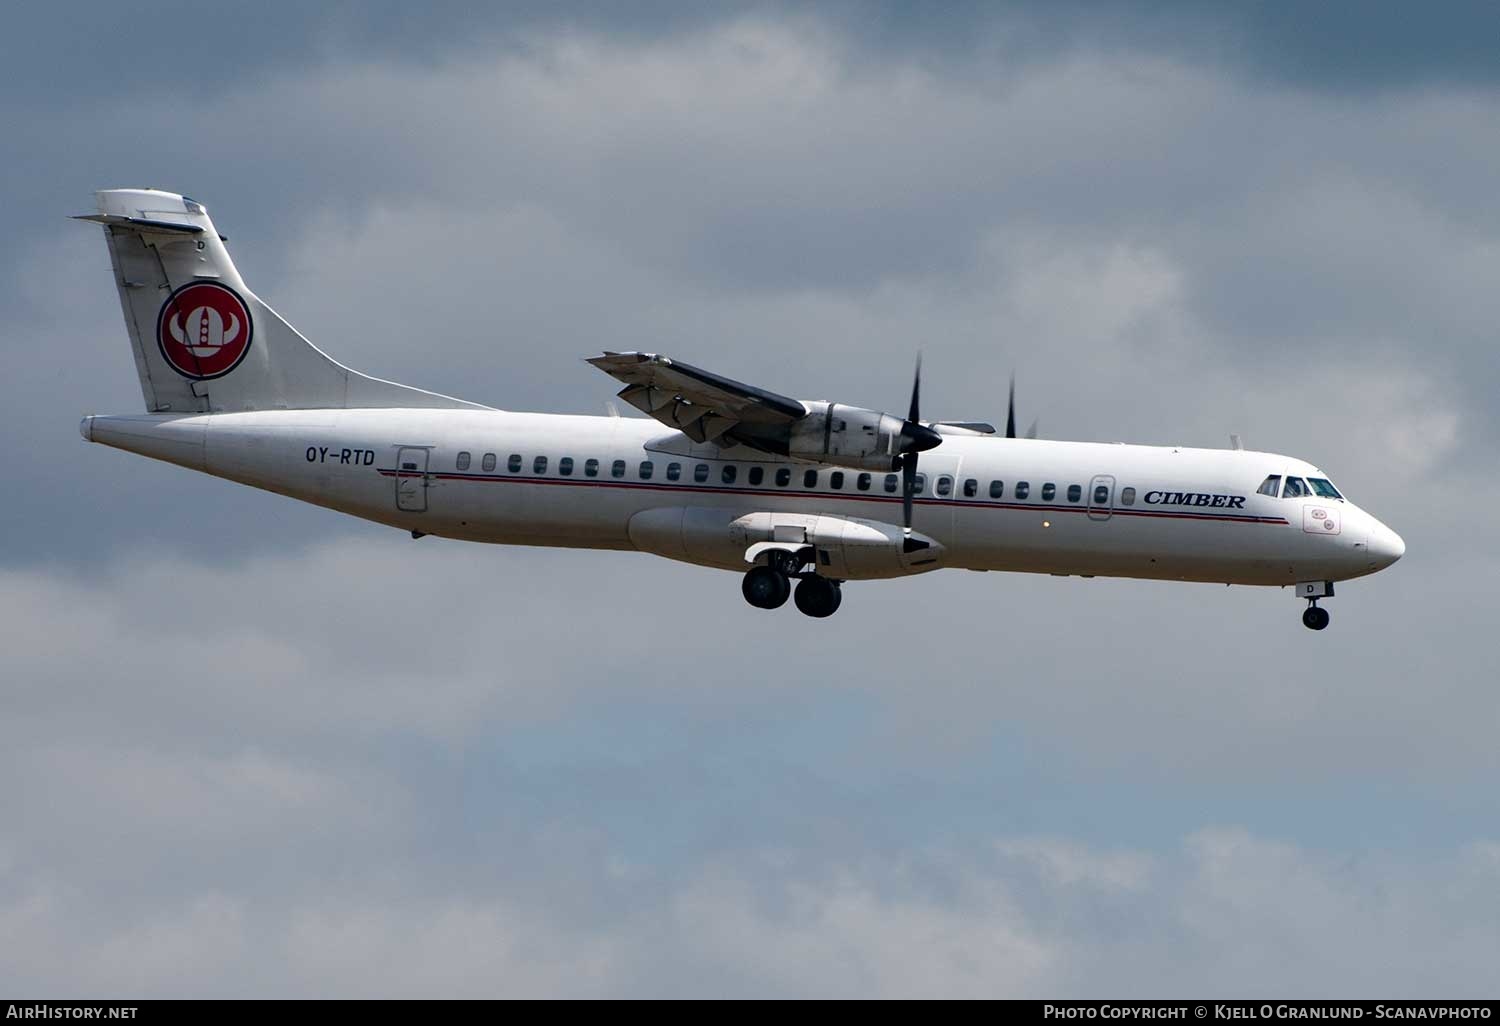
{"points": [[253, 748]]}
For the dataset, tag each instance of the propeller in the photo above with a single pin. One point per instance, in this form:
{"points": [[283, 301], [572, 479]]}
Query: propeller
{"points": [[915, 438]]}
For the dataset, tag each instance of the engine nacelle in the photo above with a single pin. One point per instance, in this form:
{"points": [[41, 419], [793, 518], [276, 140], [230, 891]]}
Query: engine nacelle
{"points": [[843, 548], [845, 436]]}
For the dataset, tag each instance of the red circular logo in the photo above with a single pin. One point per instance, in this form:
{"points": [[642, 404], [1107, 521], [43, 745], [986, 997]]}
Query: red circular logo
{"points": [[204, 330]]}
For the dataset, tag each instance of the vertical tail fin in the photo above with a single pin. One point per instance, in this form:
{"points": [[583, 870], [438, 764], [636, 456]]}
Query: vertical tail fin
{"points": [[203, 341]]}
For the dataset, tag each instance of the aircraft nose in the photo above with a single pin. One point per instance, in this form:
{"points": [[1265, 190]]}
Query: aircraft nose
{"points": [[1386, 545]]}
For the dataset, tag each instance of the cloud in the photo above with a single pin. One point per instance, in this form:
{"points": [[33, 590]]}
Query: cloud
{"points": [[293, 674], [1234, 913], [510, 213], [261, 748]]}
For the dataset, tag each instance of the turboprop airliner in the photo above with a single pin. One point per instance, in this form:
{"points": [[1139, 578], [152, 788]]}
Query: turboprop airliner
{"points": [[797, 496]]}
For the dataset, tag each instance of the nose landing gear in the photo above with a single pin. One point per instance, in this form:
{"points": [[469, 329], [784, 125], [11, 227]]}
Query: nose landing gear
{"points": [[1315, 617]]}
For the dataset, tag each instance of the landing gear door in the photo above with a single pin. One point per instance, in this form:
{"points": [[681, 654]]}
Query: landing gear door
{"points": [[1101, 497], [411, 480]]}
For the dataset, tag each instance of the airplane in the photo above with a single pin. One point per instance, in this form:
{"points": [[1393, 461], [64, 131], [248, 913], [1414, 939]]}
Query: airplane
{"points": [[797, 496]]}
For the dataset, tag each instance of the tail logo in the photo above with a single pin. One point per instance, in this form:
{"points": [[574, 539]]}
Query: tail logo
{"points": [[204, 330]]}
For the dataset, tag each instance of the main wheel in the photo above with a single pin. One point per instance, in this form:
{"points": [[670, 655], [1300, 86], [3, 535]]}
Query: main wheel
{"points": [[1315, 618], [765, 588], [818, 596]]}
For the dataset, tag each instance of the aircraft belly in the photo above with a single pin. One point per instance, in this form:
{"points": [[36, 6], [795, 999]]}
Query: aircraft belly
{"points": [[1070, 542], [511, 511]]}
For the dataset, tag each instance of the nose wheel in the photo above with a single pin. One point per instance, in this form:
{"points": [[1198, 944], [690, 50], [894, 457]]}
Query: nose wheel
{"points": [[1314, 617]]}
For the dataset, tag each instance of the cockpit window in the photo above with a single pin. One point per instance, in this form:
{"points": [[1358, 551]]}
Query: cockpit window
{"points": [[1295, 488], [1324, 487], [1270, 486]]}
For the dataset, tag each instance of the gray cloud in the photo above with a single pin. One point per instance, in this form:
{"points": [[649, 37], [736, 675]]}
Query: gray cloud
{"points": [[825, 215], [229, 764]]}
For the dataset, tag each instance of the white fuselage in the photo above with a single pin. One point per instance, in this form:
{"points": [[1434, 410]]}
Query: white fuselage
{"points": [[1089, 508]]}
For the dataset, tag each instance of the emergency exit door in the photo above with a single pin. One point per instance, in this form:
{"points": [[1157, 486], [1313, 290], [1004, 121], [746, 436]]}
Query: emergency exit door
{"points": [[411, 480], [1101, 497]]}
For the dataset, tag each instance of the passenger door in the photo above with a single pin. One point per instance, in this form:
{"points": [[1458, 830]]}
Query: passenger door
{"points": [[411, 479]]}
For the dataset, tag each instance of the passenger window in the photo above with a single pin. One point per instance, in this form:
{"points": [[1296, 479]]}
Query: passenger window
{"points": [[836, 479], [730, 470], [514, 463], [892, 482], [647, 468], [463, 461], [539, 465], [920, 485], [1023, 489], [590, 468], [488, 463], [862, 482], [945, 486], [565, 466], [971, 488], [810, 479], [1127, 496], [1270, 486], [757, 475], [1101, 495], [1324, 487], [1075, 493], [1049, 492], [1295, 488], [783, 477], [674, 471], [617, 468], [700, 473], [997, 489]]}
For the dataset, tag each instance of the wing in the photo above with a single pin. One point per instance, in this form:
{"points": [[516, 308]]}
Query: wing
{"points": [[700, 404]]}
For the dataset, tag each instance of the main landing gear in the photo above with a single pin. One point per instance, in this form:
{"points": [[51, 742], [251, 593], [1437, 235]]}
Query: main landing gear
{"points": [[768, 587]]}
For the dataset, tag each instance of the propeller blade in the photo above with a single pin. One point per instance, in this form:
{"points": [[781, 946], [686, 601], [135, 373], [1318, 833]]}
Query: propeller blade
{"points": [[1031, 431], [1010, 413], [908, 481], [916, 394], [916, 437]]}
